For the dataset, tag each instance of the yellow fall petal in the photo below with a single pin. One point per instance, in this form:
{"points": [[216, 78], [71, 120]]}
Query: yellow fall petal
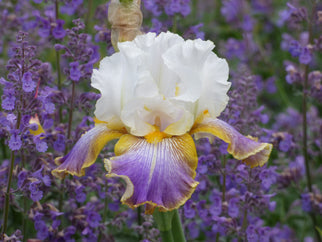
{"points": [[243, 148]]}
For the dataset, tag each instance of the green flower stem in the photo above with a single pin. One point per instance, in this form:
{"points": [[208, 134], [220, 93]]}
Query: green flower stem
{"points": [[169, 225], [88, 15], [164, 223], [70, 119], [177, 230], [304, 127], [59, 83]]}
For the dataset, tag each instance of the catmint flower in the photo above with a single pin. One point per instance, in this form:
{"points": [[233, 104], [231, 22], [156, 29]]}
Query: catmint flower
{"points": [[12, 118], [44, 178], [114, 206], [42, 229], [70, 7], [15, 141], [35, 193], [268, 177], [8, 102], [93, 219], [193, 229], [41, 145], [306, 202], [80, 194], [44, 28], [216, 207], [28, 85], [74, 71], [305, 56], [59, 144], [189, 211], [251, 234], [59, 31], [22, 178], [295, 48], [233, 209]]}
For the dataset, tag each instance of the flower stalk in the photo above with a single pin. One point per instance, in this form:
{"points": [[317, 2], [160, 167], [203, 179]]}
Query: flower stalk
{"points": [[59, 82], [304, 126], [169, 225], [177, 230]]}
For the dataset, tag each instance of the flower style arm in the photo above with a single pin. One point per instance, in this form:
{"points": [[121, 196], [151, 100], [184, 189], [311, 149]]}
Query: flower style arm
{"points": [[243, 148], [85, 151]]}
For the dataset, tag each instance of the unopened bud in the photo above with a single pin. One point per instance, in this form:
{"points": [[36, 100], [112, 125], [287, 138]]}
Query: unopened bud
{"points": [[126, 20]]}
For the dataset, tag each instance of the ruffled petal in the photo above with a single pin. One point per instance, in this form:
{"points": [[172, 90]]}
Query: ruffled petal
{"points": [[159, 174], [243, 148], [85, 151]]}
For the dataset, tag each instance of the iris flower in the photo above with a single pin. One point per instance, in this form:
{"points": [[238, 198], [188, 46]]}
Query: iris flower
{"points": [[157, 93]]}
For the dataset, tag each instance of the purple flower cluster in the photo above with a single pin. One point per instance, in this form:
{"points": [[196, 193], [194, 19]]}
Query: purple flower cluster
{"points": [[48, 50]]}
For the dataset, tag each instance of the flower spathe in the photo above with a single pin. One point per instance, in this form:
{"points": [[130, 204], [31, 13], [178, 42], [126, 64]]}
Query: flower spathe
{"points": [[156, 93]]}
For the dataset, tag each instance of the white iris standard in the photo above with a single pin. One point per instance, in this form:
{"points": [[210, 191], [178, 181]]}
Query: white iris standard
{"points": [[161, 82], [156, 93]]}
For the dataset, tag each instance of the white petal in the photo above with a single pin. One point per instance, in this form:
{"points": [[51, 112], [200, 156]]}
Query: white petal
{"points": [[187, 60], [215, 86], [108, 80]]}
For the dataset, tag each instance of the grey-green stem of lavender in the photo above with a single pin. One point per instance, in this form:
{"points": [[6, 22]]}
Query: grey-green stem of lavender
{"points": [[88, 16], [59, 83], [304, 113], [25, 205], [174, 26], [7, 196], [71, 109]]}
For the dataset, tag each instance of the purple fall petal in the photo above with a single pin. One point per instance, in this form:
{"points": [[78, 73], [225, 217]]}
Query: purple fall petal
{"points": [[157, 174]]}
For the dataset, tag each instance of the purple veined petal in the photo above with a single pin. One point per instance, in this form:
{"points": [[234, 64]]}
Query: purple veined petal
{"points": [[159, 174], [85, 151], [243, 148]]}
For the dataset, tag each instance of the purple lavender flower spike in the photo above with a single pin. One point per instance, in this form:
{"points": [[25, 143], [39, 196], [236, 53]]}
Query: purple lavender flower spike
{"points": [[28, 85], [15, 141], [216, 206], [306, 202], [251, 234], [93, 219], [8, 103], [189, 211], [295, 48], [42, 229], [35, 193], [74, 71], [233, 209], [305, 56], [59, 31], [44, 28]]}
